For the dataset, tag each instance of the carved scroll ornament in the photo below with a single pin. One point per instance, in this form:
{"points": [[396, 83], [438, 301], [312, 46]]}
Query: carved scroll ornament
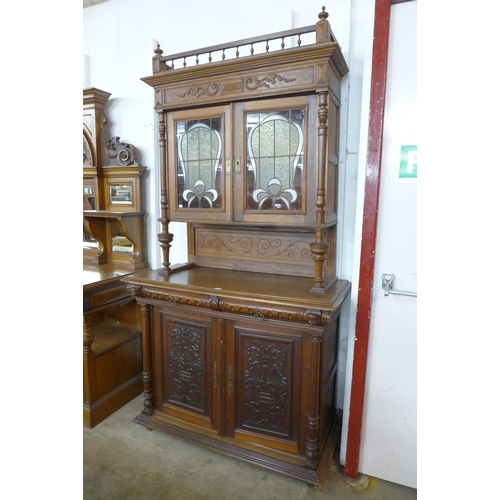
{"points": [[208, 90], [119, 153], [255, 245], [254, 82]]}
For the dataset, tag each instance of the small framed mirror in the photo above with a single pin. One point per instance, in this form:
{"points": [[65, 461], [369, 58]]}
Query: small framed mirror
{"points": [[120, 193], [121, 244], [89, 197]]}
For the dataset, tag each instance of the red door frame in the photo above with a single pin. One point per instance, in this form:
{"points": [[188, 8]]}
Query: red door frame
{"points": [[369, 231]]}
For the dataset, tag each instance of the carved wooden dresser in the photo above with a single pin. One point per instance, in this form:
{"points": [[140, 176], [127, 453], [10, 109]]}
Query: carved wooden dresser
{"points": [[240, 343], [113, 246]]}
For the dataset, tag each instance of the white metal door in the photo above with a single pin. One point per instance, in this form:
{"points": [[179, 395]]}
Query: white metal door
{"points": [[389, 430]]}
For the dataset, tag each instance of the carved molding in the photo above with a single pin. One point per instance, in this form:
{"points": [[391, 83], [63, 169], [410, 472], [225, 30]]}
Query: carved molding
{"points": [[255, 311], [208, 302]]}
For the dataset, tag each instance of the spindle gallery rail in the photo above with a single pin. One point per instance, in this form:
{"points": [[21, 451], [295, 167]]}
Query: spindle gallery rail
{"points": [[241, 48]]}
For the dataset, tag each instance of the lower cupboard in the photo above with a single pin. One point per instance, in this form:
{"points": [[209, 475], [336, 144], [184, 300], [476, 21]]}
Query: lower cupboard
{"points": [[252, 379]]}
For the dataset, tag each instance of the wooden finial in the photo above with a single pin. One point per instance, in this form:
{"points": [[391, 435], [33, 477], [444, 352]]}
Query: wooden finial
{"points": [[158, 51], [323, 15]]}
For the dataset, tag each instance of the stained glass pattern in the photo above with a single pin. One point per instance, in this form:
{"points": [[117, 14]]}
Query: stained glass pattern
{"points": [[274, 160], [199, 173]]}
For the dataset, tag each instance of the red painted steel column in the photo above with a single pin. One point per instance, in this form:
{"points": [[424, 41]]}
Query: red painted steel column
{"points": [[369, 232]]}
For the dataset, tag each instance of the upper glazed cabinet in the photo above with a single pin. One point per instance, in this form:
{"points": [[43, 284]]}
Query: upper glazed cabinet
{"points": [[249, 151], [247, 162]]}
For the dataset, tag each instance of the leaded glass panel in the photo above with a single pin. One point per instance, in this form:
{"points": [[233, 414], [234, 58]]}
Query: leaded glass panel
{"points": [[199, 169], [275, 144]]}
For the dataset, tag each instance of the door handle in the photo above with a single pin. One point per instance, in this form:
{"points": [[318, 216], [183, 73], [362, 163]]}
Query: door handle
{"points": [[388, 283]]}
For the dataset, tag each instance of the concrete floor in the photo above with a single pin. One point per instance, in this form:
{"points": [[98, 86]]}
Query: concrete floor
{"points": [[122, 460]]}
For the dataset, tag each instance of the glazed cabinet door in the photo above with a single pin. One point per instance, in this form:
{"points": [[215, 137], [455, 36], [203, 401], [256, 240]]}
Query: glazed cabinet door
{"points": [[199, 180], [263, 378], [187, 365], [276, 145]]}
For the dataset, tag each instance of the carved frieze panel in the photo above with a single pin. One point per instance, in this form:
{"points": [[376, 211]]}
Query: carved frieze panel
{"points": [[278, 248], [217, 88]]}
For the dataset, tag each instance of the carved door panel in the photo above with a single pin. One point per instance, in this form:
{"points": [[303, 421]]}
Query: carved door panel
{"points": [[263, 378], [275, 143], [189, 357], [199, 143]]}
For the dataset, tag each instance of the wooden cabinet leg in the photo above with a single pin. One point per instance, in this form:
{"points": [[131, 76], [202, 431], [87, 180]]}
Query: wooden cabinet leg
{"points": [[89, 381], [312, 452]]}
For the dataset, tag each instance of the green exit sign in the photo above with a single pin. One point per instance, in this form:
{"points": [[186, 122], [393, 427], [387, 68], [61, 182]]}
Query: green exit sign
{"points": [[408, 163]]}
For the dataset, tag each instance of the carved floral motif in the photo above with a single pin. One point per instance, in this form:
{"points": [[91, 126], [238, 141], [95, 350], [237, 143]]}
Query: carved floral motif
{"points": [[266, 386], [186, 366]]}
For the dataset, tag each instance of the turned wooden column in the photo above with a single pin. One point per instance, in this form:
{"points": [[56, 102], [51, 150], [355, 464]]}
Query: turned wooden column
{"points": [[319, 247], [165, 238]]}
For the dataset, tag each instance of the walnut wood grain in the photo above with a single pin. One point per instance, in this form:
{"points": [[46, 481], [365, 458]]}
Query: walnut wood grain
{"points": [[238, 285], [240, 343]]}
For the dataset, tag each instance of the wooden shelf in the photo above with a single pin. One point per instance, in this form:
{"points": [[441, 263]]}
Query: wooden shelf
{"points": [[108, 336]]}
